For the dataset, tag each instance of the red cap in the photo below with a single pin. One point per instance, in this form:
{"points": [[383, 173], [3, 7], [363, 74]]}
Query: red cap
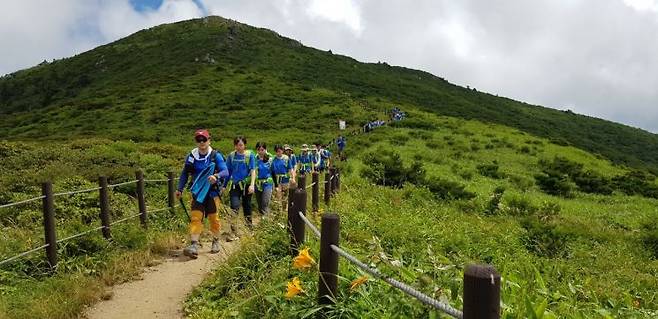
{"points": [[203, 133]]}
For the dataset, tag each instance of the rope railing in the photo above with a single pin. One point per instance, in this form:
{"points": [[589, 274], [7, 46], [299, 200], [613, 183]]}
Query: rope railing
{"points": [[401, 286], [23, 254], [156, 180], [77, 192], [377, 274], [481, 282], [80, 234], [310, 225], [22, 202], [310, 185], [125, 219], [48, 197], [121, 184]]}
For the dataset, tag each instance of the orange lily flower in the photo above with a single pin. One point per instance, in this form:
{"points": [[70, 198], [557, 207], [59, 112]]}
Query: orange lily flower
{"points": [[294, 288], [303, 260], [358, 282]]}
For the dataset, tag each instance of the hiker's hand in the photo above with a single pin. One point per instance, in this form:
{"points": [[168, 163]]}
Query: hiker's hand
{"points": [[178, 194], [251, 189], [278, 189], [212, 179], [293, 183]]}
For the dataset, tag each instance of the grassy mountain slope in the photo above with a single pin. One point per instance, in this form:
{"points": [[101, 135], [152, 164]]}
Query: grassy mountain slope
{"points": [[585, 256], [215, 72]]}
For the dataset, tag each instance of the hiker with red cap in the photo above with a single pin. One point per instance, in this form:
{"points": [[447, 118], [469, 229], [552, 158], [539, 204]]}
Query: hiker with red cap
{"points": [[207, 167]]}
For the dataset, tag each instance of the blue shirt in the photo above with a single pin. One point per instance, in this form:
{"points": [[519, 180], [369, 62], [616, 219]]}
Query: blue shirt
{"points": [[195, 163], [281, 167], [237, 166], [264, 172], [305, 160]]}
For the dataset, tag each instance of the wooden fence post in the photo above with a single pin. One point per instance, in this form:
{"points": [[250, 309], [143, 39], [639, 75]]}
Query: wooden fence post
{"points": [[49, 223], [315, 192], [104, 200], [328, 281], [140, 198], [171, 192], [296, 226], [301, 181], [481, 292], [327, 188]]}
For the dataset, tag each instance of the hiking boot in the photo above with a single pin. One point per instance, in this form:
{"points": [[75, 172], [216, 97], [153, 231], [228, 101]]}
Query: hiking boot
{"points": [[191, 251], [215, 246]]}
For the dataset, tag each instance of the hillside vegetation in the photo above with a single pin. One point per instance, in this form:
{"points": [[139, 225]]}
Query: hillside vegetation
{"points": [[561, 204], [175, 77], [475, 198]]}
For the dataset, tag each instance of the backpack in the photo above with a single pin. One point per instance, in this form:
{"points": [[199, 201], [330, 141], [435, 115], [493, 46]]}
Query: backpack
{"points": [[247, 156]]}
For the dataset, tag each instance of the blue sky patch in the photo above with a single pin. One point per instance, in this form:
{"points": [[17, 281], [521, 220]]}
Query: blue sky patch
{"points": [[143, 5]]}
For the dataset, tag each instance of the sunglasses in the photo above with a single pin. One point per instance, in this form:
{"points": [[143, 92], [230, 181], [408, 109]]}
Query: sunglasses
{"points": [[201, 140]]}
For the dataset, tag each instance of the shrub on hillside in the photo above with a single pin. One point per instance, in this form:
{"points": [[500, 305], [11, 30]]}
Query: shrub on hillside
{"points": [[490, 170], [544, 239], [593, 182], [385, 167], [637, 183], [448, 190], [555, 183]]}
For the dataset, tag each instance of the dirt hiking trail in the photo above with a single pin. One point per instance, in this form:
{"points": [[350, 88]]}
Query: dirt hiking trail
{"points": [[163, 289]]}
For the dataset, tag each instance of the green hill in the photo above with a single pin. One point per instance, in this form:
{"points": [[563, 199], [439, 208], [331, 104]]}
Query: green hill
{"points": [[467, 178], [215, 72]]}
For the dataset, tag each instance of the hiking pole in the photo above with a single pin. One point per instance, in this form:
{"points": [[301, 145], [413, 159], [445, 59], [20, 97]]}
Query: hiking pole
{"points": [[180, 199]]}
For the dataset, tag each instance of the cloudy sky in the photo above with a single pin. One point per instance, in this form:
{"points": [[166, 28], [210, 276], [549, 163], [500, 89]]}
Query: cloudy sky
{"points": [[596, 57]]}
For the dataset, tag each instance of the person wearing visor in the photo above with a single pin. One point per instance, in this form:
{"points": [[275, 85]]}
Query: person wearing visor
{"points": [[207, 167]]}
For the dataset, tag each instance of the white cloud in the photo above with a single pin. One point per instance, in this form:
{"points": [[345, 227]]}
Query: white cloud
{"points": [[341, 11], [643, 5], [117, 19]]}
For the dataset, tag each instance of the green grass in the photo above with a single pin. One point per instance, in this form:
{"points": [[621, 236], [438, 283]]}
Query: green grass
{"points": [[572, 257]]}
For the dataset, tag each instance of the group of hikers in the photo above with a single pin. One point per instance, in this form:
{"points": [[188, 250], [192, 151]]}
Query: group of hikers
{"points": [[397, 114], [242, 173]]}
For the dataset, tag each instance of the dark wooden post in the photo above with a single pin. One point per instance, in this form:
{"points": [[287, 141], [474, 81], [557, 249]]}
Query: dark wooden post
{"points": [[291, 192], [171, 192], [301, 181], [296, 226], [327, 188], [481, 292], [315, 192], [328, 284], [104, 199], [49, 223], [140, 198]]}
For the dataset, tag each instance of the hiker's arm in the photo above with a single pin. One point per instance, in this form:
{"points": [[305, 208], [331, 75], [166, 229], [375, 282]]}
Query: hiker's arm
{"points": [[221, 165], [274, 179], [182, 181]]}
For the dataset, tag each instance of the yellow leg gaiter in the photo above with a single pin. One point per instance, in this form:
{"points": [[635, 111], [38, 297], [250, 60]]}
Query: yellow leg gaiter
{"points": [[196, 225]]}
